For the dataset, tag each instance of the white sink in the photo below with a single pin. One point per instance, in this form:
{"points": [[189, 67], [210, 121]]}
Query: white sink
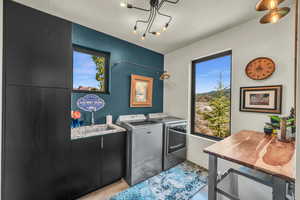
{"points": [[94, 130], [98, 128]]}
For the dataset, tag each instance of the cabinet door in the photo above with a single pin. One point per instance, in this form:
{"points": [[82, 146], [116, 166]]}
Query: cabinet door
{"points": [[36, 155], [38, 47], [113, 154], [86, 169], [55, 143]]}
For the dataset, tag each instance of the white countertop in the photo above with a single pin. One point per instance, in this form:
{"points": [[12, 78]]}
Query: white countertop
{"points": [[95, 130]]}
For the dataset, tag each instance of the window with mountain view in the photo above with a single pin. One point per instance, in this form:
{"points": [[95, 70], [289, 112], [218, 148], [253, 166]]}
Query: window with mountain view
{"points": [[211, 82]]}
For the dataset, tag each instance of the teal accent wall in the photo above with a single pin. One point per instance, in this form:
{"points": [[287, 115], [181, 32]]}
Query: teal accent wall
{"points": [[118, 99]]}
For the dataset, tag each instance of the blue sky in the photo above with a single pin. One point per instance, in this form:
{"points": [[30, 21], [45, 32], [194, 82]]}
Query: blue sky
{"points": [[84, 70], [208, 73]]}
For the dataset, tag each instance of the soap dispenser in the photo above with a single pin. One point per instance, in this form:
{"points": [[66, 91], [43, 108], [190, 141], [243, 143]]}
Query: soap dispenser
{"points": [[108, 119]]}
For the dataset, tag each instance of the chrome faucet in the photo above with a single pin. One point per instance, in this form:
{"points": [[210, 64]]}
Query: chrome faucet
{"points": [[93, 118]]}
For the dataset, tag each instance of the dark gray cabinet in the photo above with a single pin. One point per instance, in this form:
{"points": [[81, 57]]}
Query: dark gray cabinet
{"points": [[85, 165], [96, 162], [38, 48], [36, 104], [37, 144], [38, 162], [113, 157]]}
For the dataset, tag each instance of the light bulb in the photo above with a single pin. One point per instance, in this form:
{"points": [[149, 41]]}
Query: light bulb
{"points": [[156, 33], [273, 4], [123, 4], [165, 27], [134, 29], [274, 18], [143, 38]]}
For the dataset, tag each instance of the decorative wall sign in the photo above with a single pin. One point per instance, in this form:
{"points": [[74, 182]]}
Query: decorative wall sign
{"points": [[264, 99], [141, 91], [90, 103], [260, 68]]}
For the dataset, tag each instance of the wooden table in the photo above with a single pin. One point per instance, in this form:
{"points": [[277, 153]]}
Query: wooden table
{"points": [[257, 151]]}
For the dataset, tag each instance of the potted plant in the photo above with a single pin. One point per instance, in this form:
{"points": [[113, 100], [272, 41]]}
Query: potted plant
{"points": [[75, 115], [268, 129]]}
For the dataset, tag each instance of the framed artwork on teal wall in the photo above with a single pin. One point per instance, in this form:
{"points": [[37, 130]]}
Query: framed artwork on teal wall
{"points": [[141, 91], [90, 70]]}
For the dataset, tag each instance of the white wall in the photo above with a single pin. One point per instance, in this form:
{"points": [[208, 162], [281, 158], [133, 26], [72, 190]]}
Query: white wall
{"points": [[298, 115], [1, 54], [247, 41]]}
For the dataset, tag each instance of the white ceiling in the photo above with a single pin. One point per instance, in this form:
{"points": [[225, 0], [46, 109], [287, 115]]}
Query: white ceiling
{"points": [[193, 19]]}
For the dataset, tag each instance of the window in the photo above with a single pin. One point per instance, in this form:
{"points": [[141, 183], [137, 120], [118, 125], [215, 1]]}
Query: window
{"points": [[90, 70], [211, 96]]}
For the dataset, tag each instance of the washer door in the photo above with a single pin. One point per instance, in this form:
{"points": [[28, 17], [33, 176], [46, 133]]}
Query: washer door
{"points": [[176, 140], [146, 152]]}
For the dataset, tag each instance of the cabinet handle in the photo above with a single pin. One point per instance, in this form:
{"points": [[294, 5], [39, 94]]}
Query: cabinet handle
{"points": [[149, 132], [102, 142]]}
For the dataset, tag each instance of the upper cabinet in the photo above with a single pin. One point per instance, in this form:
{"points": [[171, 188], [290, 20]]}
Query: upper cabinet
{"points": [[38, 48]]}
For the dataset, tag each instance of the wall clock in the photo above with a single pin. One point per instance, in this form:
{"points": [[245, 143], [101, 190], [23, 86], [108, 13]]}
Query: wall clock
{"points": [[260, 68]]}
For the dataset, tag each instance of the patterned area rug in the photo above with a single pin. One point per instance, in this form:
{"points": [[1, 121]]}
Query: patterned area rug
{"points": [[179, 183]]}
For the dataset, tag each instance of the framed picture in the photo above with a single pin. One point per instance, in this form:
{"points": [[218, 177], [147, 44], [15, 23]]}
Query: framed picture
{"points": [[264, 99], [141, 91]]}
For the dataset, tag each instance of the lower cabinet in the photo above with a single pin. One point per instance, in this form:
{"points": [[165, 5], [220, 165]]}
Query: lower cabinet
{"points": [[96, 162], [85, 165], [113, 158]]}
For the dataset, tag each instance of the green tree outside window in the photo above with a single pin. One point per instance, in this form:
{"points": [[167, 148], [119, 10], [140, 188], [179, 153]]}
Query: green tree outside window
{"points": [[100, 74], [218, 118]]}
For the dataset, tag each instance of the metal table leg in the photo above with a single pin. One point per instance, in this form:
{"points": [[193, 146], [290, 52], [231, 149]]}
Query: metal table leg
{"points": [[234, 184], [279, 188], [212, 177]]}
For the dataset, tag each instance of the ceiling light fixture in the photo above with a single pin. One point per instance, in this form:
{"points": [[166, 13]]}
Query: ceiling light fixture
{"points": [[154, 10], [275, 13], [263, 5]]}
